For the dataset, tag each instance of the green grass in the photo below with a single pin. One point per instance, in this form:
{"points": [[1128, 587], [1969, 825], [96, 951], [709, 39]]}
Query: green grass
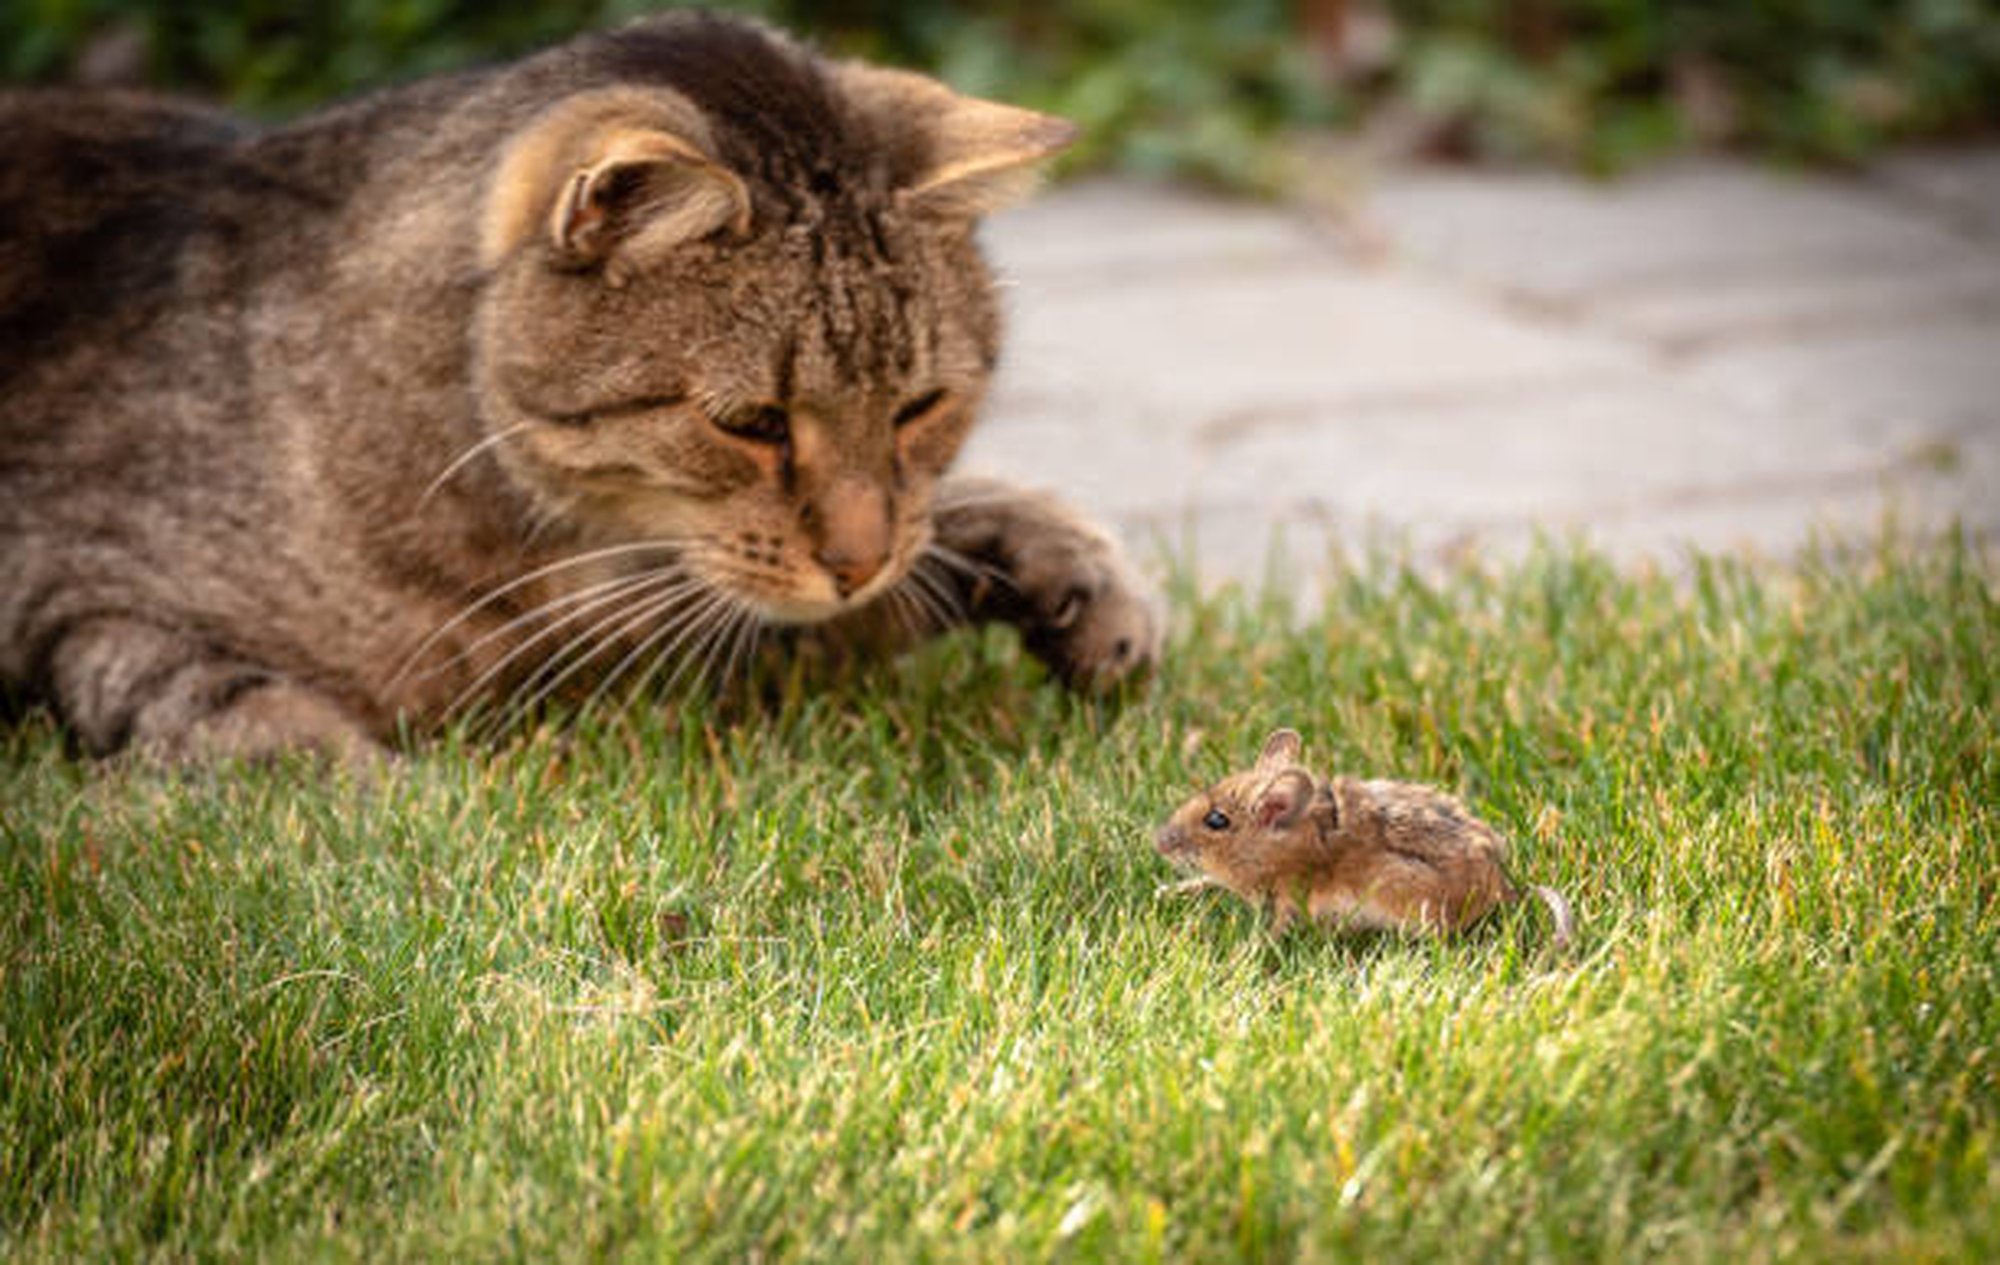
{"points": [[880, 972]]}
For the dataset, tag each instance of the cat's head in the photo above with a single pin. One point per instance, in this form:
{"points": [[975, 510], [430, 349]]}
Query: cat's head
{"points": [[734, 302]]}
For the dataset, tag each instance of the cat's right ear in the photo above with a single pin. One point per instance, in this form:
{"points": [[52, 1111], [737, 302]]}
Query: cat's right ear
{"points": [[970, 157], [613, 179]]}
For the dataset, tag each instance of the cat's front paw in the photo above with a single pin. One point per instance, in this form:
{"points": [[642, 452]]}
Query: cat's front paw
{"points": [[1064, 583], [1087, 616]]}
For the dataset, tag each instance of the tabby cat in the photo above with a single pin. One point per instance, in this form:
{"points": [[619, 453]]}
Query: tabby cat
{"points": [[536, 380]]}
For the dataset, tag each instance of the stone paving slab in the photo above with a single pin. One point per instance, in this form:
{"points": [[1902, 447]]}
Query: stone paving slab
{"points": [[1962, 185], [1185, 354], [1911, 381], [1710, 356], [1087, 235], [1556, 237], [1636, 466], [1726, 311]]}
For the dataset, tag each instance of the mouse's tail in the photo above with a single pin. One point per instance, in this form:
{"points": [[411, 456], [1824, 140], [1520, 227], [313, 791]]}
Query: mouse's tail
{"points": [[1559, 910]]}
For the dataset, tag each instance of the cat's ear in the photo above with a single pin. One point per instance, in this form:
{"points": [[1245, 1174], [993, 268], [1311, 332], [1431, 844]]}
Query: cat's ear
{"points": [[976, 156], [613, 178], [642, 194], [1281, 751], [986, 156]]}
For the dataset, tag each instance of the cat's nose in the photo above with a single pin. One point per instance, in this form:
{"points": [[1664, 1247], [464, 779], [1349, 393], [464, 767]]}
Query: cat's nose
{"points": [[851, 571], [854, 534]]}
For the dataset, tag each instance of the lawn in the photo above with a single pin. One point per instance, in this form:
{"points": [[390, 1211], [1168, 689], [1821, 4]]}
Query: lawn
{"points": [[877, 970]]}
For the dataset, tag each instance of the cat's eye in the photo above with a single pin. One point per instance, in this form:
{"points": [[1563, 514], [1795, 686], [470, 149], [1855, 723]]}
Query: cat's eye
{"points": [[1216, 819], [921, 406], [759, 423], [617, 410]]}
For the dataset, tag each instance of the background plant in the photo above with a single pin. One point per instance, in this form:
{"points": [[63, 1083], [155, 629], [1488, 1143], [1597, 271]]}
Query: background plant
{"points": [[1182, 86]]}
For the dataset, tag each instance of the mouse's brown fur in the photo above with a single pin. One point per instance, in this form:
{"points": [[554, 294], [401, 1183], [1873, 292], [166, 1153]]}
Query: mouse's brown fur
{"points": [[1381, 855]]}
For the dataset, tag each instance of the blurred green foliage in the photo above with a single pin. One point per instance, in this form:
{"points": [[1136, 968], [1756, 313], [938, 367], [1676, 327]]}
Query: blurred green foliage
{"points": [[1181, 86], [1603, 82]]}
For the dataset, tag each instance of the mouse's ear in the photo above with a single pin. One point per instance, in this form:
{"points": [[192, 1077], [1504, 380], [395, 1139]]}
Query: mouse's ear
{"points": [[1283, 800], [1281, 751]]}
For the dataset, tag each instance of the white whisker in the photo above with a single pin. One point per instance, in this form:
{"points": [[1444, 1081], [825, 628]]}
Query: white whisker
{"points": [[458, 462], [645, 646], [899, 605], [756, 643], [742, 638], [942, 588], [510, 586], [713, 653], [936, 618], [929, 603], [604, 588], [710, 603], [969, 567], [583, 649], [620, 602], [920, 600], [702, 655]]}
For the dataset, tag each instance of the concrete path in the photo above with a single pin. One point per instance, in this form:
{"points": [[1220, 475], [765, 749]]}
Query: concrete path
{"points": [[1713, 355]]}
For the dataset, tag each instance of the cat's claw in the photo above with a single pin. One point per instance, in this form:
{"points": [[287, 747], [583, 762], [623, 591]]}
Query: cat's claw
{"points": [[1096, 628], [1062, 581]]}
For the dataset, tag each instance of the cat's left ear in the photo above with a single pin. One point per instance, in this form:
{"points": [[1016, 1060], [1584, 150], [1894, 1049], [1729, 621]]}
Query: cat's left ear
{"points": [[614, 178], [644, 192], [975, 156]]}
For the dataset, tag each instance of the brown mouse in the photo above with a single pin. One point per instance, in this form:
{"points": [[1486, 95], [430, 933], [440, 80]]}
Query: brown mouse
{"points": [[1353, 854]]}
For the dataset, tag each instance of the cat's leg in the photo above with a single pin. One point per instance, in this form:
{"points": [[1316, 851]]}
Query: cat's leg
{"points": [[122, 681], [1025, 558]]}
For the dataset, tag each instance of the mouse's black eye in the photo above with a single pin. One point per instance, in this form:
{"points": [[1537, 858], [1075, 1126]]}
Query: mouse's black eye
{"points": [[1216, 819]]}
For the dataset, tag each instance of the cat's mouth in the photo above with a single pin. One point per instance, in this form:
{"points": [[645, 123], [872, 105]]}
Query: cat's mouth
{"points": [[779, 610], [812, 602], [792, 594]]}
